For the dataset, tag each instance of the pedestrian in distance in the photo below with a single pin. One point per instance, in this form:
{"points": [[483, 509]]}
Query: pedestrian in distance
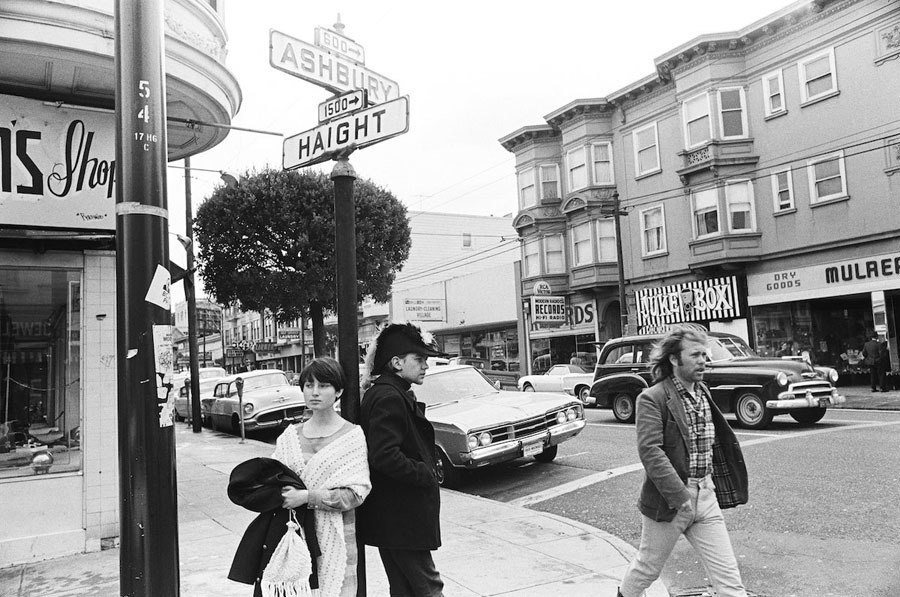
{"points": [[401, 517], [693, 468], [873, 358], [329, 455]]}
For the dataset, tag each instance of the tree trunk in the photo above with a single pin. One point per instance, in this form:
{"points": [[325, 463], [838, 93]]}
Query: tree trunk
{"points": [[318, 328]]}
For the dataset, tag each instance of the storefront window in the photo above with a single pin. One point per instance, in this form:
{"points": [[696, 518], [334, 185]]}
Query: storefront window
{"points": [[829, 331], [546, 352], [499, 349], [40, 356]]}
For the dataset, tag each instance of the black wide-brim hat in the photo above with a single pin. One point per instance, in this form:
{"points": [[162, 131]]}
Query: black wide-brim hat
{"points": [[400, 339]]}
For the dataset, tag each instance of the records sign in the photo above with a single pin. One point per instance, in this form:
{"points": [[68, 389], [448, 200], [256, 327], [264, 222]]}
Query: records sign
{"points": [[701, 300], [548, 309]]}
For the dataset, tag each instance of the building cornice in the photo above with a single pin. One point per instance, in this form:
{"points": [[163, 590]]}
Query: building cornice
{"points": [[530, 133]]}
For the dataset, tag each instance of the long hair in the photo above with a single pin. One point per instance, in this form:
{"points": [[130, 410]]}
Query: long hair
{"points": [[324, 370], [671, 345]]}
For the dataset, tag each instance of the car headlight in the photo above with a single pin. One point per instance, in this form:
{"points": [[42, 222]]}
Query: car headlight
{"points": [[248, 408], [782, 378], [561, 417], [571, 415], [473, 442], [485, 439], [833, 375]]}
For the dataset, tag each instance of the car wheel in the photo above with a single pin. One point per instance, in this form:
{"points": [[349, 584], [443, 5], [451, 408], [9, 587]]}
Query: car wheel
{"points": [[583, 393], [623, 407], [528, 388], [447, 475], [808, 416], [547, 455], [751, 411]]}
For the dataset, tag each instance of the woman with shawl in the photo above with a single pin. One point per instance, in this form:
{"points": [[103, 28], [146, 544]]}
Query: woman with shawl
{"points": [[329, 455]]}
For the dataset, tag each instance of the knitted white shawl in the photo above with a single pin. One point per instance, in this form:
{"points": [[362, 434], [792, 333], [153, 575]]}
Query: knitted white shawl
{"points": [[342, 463]]}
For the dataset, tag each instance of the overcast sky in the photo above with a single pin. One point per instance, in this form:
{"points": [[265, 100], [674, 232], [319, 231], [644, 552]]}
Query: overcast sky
{"points": [[474, 72]]}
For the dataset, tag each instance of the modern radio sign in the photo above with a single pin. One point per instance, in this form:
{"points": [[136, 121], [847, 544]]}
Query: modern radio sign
{"points": [[548, 309], [60, 160]]}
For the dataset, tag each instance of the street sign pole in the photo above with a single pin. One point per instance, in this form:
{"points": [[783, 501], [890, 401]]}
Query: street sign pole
{"points": [[190, 292], [148, 504]]}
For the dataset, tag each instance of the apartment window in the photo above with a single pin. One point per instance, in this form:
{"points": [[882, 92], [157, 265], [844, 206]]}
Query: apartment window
{"points": [[653, 230], [467, 240], [532, 258], [697, 125], [601, 156], [577, 166], [783, 190], [773, 93], [554, 257], [732, 113], [646, 149], [549, 181], [739, 202], [582, 249], [706, 212], [606, 239], [827, 179], [817, 75], [526, 188]]}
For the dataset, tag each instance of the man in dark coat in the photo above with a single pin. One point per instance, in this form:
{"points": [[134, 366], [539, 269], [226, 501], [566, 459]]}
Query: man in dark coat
{"points": [[401, 516], [872, 355]]}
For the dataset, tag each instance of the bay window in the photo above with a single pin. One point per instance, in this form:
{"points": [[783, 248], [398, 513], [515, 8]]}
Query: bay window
{"points": [[606, 239], [739, 203], [549, 174], [697, 125], [554, 257], [601, 156], [582, 247], [527, 196], [576, 163], [732, 113], [706, 212], [531, 258]]}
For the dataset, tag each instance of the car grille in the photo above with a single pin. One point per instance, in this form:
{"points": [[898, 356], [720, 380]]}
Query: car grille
{"points": [[294, 412], [816, 388], [525, 428]]}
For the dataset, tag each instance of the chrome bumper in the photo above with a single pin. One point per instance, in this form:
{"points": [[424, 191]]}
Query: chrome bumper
{"points": [[510, 449], [789, 400]]}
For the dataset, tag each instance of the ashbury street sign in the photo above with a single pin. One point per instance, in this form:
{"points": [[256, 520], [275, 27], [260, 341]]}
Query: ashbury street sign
{"points": [[361, 129], [331, 71]]}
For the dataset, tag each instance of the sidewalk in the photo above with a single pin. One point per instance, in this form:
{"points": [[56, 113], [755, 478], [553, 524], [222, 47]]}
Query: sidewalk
{"points": [[862, 397], [489, 548]]}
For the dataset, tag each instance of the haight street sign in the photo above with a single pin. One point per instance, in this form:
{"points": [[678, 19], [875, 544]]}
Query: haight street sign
{"points": [[361, 129], [331, 71]]}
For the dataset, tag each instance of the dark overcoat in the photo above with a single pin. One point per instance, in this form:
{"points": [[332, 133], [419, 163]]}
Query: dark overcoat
{"points": [[403, 509], [256, 485], [663, 436]]}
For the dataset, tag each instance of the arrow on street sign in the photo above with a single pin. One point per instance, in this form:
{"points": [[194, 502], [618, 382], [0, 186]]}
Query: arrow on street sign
{"points": [[333, 72], [336, 43], [342, 104], [359, 129]]}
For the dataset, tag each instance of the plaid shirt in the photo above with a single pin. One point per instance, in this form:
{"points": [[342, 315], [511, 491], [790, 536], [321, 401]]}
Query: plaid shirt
{"points": [[700, 425]]}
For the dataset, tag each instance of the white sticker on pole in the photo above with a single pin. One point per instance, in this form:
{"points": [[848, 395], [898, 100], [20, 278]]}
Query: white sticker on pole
{"points": [[159, 292], [163, 358]]}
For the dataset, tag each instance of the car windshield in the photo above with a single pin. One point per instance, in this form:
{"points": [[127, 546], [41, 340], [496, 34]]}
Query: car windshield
{"points": [[264, 381], [457, 384], [213, 374], [728, 349]]}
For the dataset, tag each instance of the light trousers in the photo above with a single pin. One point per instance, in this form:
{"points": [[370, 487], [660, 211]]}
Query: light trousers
{"points": [[704, 528]]}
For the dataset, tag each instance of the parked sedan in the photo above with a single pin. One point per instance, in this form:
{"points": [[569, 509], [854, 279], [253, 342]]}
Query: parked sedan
{"points": [[755, 389], [478, 425], [208, 378], [268, 401], [571, 379]]}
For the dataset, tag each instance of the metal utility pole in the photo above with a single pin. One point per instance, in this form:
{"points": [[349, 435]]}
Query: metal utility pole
{"points": [[623, 308], [343, 176], [190, 295], [148, 514]]}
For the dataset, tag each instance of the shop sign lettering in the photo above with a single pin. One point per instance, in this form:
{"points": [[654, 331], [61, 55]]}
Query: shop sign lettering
{"points": [[784, 281], [63, 158], [862, 270], [548, 309], [580, 314], [714, 298]]}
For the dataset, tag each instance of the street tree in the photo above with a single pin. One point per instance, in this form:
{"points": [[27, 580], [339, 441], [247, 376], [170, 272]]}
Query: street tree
{"points": [[267, 243]]}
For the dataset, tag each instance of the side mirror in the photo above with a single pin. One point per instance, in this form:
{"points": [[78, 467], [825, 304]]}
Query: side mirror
{"points": [[497, 383], [239, 384]]}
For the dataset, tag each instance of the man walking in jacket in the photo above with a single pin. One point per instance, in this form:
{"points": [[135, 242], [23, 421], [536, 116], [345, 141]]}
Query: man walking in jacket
{"points": [[401, 516], [685, 446]]}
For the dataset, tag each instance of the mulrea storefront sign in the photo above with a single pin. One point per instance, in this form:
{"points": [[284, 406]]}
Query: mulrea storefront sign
{"points": [[839, 278], [57, 166]]}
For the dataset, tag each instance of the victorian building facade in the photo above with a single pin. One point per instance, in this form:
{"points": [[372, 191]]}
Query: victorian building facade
{"points": [[754, 177], [59, 486]]}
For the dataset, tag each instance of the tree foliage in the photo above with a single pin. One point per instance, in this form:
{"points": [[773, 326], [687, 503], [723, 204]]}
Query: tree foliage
{"points": [[268, 243]]}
